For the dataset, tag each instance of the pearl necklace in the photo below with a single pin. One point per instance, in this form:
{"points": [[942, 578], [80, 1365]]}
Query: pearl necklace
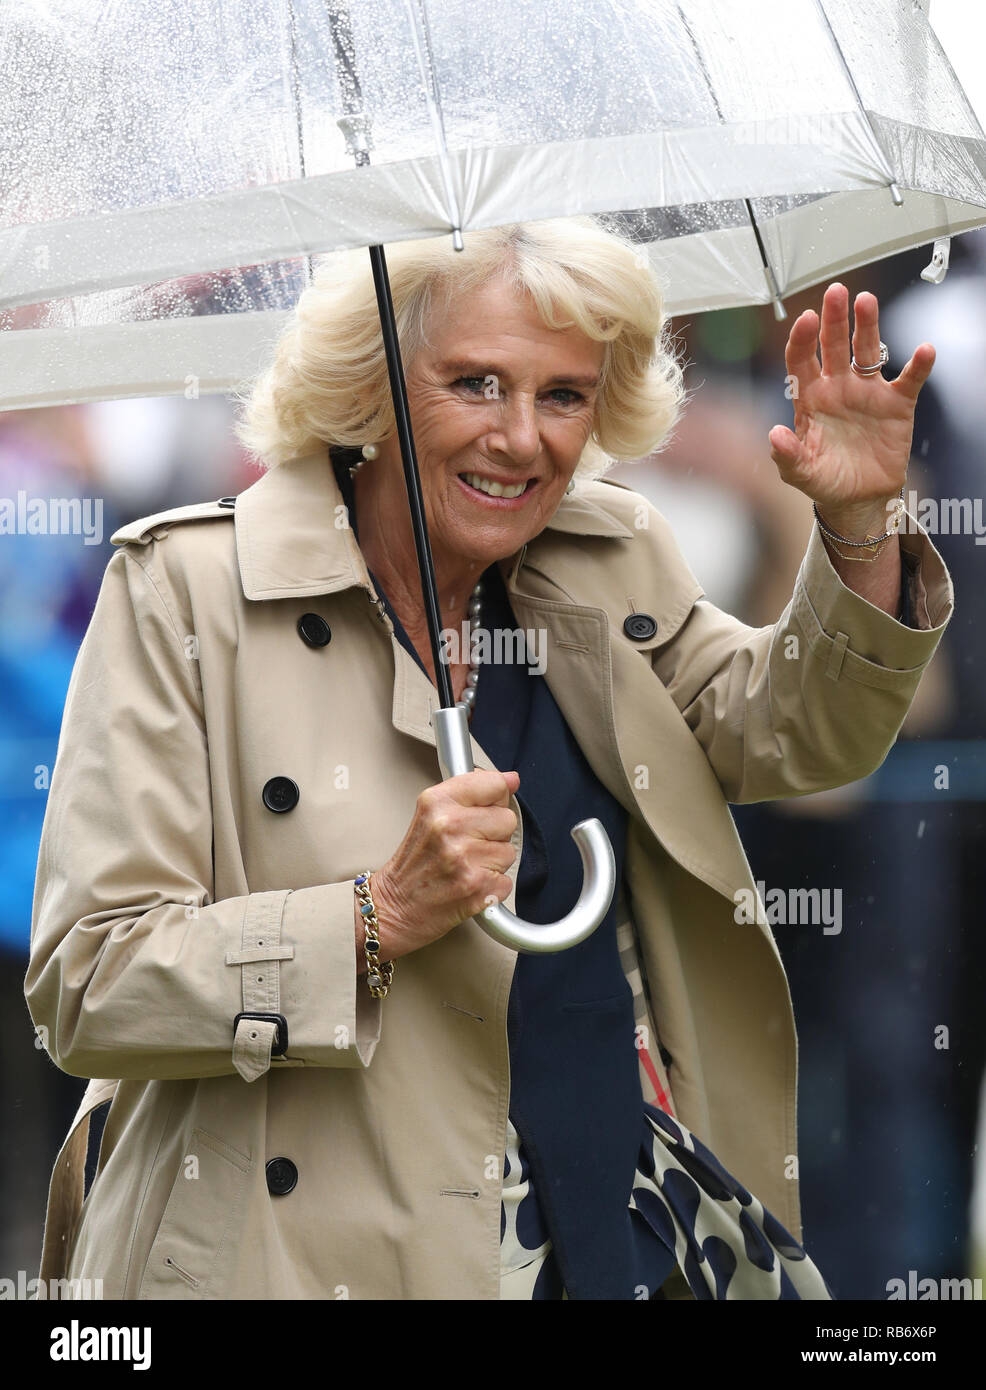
{"points": [[472, 679]]}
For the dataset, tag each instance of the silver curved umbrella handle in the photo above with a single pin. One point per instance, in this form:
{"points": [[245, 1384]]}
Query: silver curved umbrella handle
{"points": [[598, 863]]}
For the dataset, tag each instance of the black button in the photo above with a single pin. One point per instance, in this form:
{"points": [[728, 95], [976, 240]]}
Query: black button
{"points": [[281, 794], [640, 626], [314, 630], [282, 1176]]}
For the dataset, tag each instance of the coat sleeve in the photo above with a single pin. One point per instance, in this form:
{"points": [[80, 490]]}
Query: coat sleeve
{"points": [[135, 971], [816, 700]]}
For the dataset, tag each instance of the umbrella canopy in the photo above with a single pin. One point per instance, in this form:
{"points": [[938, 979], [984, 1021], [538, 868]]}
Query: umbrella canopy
{"points": [[169, 169]]}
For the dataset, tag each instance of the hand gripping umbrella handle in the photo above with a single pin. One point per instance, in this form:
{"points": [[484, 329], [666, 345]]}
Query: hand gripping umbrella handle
{"points": [[598, 863]]}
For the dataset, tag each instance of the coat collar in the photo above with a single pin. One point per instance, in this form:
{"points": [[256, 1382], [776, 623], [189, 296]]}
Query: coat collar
{"points": [[291, 539]]}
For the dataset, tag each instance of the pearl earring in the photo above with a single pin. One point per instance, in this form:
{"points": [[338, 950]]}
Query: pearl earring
{"points": [[370, 452]]}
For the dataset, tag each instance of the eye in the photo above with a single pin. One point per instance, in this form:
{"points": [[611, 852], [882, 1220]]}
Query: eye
{"points": [[477, 385]]}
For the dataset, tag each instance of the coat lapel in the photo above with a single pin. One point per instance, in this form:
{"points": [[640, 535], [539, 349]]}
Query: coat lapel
{"points": [[635, 738]]}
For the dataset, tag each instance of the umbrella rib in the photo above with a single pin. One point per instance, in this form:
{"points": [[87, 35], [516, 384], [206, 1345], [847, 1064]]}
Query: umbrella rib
{"points": [[296, 100], [780, 313], [895, 192], [426, 65], [340, 25], [773, 287]]}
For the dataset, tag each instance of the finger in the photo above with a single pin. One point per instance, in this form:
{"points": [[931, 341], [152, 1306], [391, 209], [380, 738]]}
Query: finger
{"points": [[497, 856], [492, 823], [866, 329], [482, 787], [834, 333], [801, 351], [787, 451], [497, 887], [916, 372]]}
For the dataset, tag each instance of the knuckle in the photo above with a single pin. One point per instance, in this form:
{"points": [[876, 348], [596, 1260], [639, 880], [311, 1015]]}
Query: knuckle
{"points": [[506, 827], [449, 858], [427, 798], [439, 823]]}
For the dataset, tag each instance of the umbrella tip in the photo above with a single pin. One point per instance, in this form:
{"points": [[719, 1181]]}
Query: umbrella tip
{"points": [[457, 243]]}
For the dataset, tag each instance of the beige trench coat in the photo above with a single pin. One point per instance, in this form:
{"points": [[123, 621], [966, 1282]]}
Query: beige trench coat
{"points": [[169, 898]]}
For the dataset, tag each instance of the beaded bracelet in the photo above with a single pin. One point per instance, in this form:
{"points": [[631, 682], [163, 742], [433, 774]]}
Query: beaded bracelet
{"points": [[379, 976], [871, 541]]}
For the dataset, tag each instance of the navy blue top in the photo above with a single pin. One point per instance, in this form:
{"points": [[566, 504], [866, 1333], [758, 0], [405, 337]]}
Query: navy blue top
{"points": [[575, 1097]]}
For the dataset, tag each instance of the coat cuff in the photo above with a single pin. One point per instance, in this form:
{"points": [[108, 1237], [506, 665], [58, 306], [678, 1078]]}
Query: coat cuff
{"points": [[860, 641], [332, 1019]]}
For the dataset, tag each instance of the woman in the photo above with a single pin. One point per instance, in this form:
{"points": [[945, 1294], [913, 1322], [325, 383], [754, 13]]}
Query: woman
{"points": [[301, 1114]]}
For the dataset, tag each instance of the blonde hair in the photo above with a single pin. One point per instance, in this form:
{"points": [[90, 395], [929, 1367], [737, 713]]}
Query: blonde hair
{"points": [[328, 382]]}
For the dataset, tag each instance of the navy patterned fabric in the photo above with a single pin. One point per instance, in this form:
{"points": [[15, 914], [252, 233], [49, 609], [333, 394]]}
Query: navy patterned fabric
{"points": [[574, 1086]]}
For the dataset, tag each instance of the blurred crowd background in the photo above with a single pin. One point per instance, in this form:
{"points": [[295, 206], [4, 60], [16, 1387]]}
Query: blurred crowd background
{"points": [[893, 1179]]}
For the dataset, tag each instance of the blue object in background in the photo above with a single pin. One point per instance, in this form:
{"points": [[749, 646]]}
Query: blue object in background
{"points": [[34, 684]]}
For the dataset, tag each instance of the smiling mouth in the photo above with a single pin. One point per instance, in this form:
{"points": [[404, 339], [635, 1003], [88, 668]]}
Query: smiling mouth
{"points": [[490, 488]]}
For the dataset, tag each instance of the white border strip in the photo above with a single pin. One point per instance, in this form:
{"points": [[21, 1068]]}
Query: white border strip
{"points": [[165, 357], [406, 199]]}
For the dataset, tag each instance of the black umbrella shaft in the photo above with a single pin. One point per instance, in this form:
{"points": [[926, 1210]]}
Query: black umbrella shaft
{"points": [[419, 525], [340, 24]]}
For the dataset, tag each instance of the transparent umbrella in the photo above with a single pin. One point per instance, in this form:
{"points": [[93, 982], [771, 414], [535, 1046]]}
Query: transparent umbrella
{"points": [[166, 169], [169, 171]]}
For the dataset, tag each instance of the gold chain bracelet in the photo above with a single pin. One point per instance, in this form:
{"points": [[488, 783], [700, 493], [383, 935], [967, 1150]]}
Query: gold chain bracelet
{"points": [[379, 975], [874, 544]]}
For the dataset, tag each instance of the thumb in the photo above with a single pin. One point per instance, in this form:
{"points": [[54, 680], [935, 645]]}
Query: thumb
{"points": [[788, 452]]}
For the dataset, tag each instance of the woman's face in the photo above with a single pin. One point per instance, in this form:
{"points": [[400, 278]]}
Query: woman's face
{"points": [[497, 399]]}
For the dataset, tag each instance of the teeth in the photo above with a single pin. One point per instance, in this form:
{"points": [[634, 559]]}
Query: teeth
{"points": [[493, 489]]}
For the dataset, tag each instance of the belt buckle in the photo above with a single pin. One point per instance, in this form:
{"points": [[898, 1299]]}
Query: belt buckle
{"points": [[281, 1041]]}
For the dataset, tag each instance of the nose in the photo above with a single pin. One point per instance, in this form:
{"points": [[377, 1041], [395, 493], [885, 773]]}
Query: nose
{"points": [[516, 433]]}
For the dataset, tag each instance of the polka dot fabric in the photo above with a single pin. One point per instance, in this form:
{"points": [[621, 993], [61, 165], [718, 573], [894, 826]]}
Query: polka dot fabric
{"points": [[726, 1244]]}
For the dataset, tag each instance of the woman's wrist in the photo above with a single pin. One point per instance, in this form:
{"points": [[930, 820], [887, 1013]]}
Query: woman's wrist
{"points": [[859, 521], [878, 582], [381, 929]]}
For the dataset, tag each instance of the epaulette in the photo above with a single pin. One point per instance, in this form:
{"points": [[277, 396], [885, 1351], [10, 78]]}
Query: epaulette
{"points": [[148, 528]]}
